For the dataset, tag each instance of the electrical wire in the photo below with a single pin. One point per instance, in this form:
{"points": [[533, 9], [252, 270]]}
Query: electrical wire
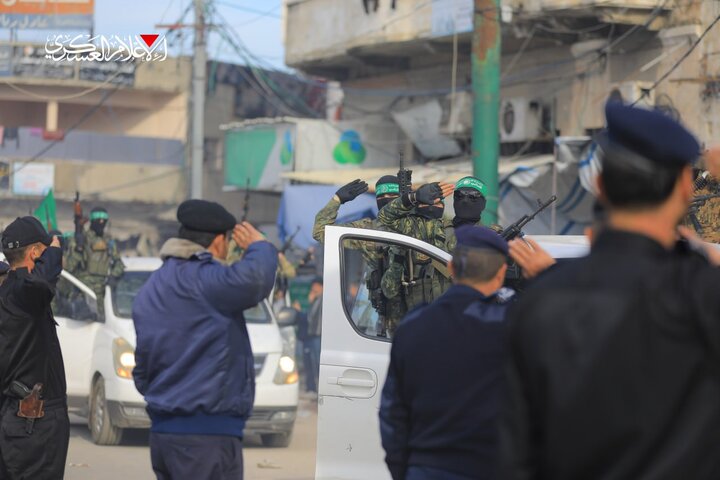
{"points": [[82, 93], [680, 60], [261, 13], [519, 54], [75, 125], [260, 17]]}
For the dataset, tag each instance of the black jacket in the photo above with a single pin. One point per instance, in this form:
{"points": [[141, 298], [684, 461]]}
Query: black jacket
{"points": [[29, 346], [614, 368], [440, 401]]}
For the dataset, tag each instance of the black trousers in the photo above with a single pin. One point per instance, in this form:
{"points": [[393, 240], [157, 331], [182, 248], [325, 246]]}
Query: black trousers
{"points": [[196, 457], [40, 455]]}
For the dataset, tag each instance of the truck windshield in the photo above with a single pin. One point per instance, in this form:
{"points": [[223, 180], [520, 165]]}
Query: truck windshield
{"points": [[130, 283]]}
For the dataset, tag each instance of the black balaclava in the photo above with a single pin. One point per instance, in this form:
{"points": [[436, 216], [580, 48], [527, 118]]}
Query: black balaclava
{"points": [[98, 220], [387, 185], [431, 212], [469, 201]]}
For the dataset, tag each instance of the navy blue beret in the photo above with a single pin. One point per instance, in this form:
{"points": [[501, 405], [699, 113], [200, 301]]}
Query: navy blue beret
{"points": [[204, 216], [651, 134], [472, 236]]}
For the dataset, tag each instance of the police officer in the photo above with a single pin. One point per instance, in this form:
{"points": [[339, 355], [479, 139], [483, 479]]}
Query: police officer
{"points": [[440, 401], [410, 276], [34, 424], [194, 358], [387, 189], [93, 257], [613, 369], [469, 201]]}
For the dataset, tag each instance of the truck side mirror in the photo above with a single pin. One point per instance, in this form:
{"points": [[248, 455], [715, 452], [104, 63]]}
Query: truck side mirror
{"points": [[287, 317]]}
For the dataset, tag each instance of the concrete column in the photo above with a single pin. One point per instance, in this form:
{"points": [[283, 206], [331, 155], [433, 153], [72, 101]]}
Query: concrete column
{"points": [[51, 116]]}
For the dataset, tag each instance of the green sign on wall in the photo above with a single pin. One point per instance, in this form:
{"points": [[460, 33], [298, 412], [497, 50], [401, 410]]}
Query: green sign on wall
{"points": [[257, 154]]}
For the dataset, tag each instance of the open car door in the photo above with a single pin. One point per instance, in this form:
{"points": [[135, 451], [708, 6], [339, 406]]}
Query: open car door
{"points": [[355, 354], [75, 310]]}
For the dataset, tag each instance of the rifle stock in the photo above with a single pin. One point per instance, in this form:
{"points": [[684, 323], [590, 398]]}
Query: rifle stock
{"points": [[288, 243], [246, 206]]}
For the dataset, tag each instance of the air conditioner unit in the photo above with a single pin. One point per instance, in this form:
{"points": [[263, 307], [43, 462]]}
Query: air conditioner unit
{"points": [[638, 93], [457, 116], [520, 120]]}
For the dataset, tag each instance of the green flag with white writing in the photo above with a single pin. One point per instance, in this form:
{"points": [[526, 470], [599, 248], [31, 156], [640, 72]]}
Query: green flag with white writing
{"points": [[47, 212]]}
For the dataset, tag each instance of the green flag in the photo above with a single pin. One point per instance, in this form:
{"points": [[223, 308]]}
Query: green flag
{"points": [[47, 212]]}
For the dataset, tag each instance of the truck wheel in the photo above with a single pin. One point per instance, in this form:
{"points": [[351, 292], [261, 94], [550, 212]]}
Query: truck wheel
{"points": [[276, 440], [101, 428]]}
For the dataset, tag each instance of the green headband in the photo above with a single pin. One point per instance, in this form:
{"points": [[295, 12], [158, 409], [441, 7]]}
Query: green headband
{"points": [[99, 216], [385, 188], [472, 182]]}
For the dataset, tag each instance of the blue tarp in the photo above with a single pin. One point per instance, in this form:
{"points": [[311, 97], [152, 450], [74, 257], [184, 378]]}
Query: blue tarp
{"points": [[300, 204]]}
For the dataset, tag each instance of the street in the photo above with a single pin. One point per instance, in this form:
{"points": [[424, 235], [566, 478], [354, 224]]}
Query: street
{"points": [[87, 461]]}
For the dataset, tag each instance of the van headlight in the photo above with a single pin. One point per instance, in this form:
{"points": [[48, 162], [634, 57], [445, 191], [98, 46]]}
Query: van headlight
{"points": [[123, 358], [286, 371]]}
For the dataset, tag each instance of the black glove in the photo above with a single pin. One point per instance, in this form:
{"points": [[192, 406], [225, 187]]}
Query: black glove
{"points": [[427, 194], [351, 191]]}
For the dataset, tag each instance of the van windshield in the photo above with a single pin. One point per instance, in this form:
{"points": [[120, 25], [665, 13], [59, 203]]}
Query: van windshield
{"points": [[127, 288]]}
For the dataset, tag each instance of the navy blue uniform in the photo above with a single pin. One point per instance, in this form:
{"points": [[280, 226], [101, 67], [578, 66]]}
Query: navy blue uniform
{"points": [[612, 367], [440, 401]]}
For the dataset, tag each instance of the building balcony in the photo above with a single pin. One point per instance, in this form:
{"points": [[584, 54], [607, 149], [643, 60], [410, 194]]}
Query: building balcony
{"points": [[341, 39]]}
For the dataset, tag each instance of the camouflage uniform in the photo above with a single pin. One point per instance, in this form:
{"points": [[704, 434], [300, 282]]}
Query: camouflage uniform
{"points": [[376, 258], [428, 279], [285, 271], [709, 216], [94, 264], [451, 240], [328, 216]]}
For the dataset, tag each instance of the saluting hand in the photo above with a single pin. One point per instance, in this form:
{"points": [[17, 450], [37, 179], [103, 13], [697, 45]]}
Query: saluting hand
{"points": [[447, 189], [711, 252], [351, 191], [530, 257], [55, 242], [245, 235]]}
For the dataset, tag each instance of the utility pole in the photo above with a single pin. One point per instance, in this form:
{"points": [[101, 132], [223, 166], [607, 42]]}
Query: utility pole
{"points": [[198, 102], [486, 102]]}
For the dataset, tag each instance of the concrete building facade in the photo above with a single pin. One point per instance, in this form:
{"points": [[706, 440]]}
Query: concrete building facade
{"points": [[561, 61]]}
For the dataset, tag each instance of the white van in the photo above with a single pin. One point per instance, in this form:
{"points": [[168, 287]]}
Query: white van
{"points": [[99, 358], [354, 359]]}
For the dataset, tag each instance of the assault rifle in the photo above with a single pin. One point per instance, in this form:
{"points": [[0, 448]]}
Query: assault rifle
{"points": [[288, 243], [405, 182], [404, 176], [515, 230], [79, 220], [246, 206]]}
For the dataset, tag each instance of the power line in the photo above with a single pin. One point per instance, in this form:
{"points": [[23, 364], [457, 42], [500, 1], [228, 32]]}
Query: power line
{"points": [[680, 60], [268, 13], [79, 122]]}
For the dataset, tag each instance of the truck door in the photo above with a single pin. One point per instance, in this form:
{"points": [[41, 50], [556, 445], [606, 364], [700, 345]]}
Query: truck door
{"points": [[355, 353]]}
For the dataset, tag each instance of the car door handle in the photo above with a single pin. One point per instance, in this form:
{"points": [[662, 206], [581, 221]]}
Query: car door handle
{"points": [[352, 382], [348, 382]]}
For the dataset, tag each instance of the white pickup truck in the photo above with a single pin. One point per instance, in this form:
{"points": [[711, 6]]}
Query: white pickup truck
{"points": [[354, 359]]}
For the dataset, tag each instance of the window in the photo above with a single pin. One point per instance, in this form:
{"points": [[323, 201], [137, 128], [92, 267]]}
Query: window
{"points": [[124, 293], [257, 314], [382, 282], [71, 302]]}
